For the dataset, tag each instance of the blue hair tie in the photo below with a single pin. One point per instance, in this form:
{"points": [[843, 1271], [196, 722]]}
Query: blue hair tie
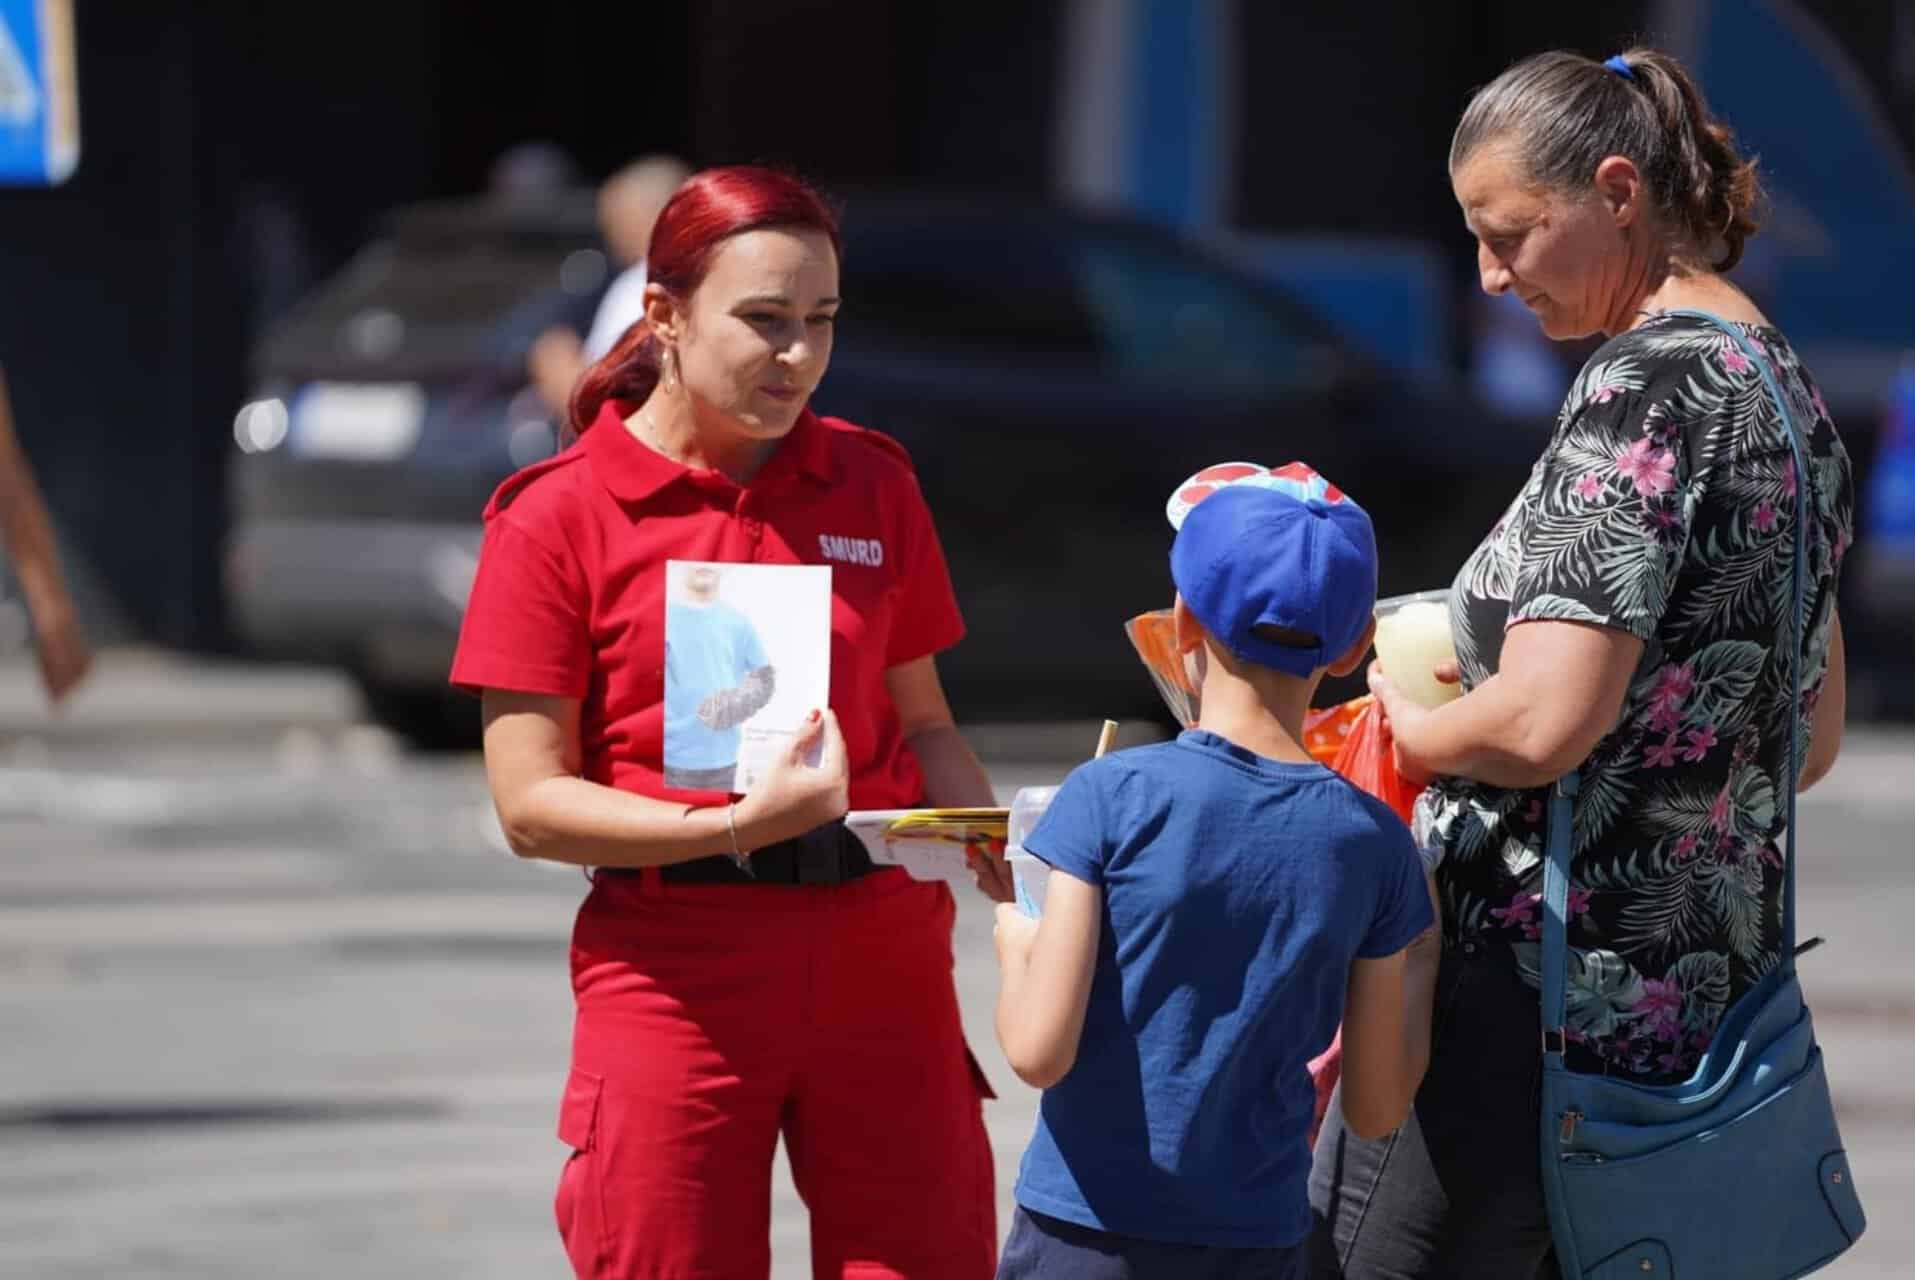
{"points": [[1621, 67]]}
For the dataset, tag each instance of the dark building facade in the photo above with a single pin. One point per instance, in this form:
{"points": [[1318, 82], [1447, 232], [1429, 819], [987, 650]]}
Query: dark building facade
{"points": [[233, 154]]}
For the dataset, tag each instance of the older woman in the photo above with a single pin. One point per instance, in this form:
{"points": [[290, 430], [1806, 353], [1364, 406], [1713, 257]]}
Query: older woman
{"points": [[1630, 617]]}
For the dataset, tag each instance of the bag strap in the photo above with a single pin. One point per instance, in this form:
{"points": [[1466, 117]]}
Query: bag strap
{"points": [[1559, 840]]}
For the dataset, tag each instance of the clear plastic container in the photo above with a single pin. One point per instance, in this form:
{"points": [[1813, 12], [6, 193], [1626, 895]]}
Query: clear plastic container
{"points": [[1029, 872], [1412, 637]]}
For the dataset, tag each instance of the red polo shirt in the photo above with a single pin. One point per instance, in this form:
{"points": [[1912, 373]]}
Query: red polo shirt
{"points": [[570, 594]]}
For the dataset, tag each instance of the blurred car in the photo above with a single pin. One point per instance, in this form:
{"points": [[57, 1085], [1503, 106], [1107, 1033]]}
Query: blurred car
{"points": [[386, 409], [1053, 373]]}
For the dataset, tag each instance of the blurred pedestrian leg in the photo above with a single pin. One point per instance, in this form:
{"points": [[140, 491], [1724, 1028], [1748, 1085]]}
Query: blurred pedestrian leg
{"points": [[28, 534]]}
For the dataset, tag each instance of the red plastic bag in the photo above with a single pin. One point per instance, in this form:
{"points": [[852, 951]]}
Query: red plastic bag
{"points": [[1353, 739], [1326, 728], [1368, 758]]}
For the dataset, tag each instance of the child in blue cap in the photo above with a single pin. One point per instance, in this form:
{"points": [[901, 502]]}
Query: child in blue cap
{"points": [[1217, 905]]}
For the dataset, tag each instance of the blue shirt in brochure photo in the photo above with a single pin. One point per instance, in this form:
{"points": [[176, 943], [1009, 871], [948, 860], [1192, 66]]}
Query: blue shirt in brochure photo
{"points": [[709, 648]]}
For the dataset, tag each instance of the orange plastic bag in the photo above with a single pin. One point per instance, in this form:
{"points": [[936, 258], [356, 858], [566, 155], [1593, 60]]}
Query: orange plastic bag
{"points": [[1368, 758], [1326, 729]]}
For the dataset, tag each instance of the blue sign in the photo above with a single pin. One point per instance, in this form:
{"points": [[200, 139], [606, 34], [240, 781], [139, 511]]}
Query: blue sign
{"points": [[39, 93]]}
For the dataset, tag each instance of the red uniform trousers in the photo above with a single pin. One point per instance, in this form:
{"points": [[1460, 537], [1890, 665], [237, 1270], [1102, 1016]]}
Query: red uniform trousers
{"points": [[714, 1017]]}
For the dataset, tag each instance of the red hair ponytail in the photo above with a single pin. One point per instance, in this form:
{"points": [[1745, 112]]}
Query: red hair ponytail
{"points": [[628, 371], [712, 206]]}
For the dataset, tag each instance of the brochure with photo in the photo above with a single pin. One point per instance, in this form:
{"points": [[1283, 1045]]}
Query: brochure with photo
{"points": [[930, 844], [747, 657]]}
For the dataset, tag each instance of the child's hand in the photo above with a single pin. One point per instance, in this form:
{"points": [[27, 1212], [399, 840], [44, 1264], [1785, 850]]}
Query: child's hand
{"points": [[992, 873], [1014, 933]]}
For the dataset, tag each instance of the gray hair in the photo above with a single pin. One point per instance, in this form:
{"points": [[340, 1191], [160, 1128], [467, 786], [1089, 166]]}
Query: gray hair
{"points": [[1565, 113]]}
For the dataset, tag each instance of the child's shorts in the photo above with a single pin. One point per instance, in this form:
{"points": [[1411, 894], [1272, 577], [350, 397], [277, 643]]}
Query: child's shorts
{"points": [[1049, 1247]]}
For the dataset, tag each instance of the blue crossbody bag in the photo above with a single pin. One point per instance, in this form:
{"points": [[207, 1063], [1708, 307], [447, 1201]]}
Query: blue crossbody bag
{"points": [[1738, 1172]]}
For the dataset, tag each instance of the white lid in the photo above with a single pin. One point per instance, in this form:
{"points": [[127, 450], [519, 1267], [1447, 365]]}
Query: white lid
{"points": [[1027, 806]]}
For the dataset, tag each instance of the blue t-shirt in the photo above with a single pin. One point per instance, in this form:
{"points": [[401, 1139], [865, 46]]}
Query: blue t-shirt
{"points": [[1237, 890], [708, 648]]}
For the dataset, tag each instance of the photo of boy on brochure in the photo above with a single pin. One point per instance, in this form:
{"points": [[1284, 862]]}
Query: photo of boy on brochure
{"points": [[747, 653]]}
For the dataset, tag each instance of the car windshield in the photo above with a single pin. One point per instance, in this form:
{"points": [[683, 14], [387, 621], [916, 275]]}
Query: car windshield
{"points": [[1123, 306], [434, 299]]}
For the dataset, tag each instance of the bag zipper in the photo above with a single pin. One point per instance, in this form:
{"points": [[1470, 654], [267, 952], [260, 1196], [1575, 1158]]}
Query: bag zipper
{"points": [[1567, 1134]]}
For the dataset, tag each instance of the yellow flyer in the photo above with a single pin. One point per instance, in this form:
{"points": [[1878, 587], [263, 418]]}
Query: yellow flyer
{"points": [[930, 844]]}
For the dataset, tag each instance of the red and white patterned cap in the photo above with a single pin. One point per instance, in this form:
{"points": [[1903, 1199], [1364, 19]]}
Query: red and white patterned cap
{"points": [[1275, 548], [1298, 479]]}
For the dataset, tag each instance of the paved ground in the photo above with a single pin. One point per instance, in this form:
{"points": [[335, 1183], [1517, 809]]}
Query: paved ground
{"points": [[274, 1001]]}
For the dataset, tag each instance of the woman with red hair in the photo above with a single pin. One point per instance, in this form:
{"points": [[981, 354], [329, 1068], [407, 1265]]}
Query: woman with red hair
{"points": [[741, 970]]}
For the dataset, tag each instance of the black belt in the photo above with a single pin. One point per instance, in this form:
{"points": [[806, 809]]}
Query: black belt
{"points": [[824, 855]]}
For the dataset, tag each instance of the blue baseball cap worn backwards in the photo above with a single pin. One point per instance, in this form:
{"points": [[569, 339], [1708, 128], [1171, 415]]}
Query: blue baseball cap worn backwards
{"points": [[1284, 549]]}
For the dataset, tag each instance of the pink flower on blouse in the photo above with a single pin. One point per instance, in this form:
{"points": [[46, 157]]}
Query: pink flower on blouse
{"points": [[1764, 517], [1605, 393], [1675, 683], [1719, 811], [1665, 524], [1663, 756], [1700, 740], [1661, 1007], [1521, 910], [1673, 686], [1589, 487], [1732, 358], [1686, 847], [1651, 470], [1788, 478]]}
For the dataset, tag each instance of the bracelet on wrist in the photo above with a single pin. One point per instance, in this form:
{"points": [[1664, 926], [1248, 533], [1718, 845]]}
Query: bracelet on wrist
{"points": [[739, 857]]}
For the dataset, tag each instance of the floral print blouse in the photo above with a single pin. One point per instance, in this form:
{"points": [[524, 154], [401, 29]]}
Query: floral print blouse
{"points": [[1663, 506]]}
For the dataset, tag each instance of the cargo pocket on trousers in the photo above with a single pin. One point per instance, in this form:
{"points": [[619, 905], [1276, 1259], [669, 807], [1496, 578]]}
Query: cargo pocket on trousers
{"points": [[982, 1218], [580, 1216]]}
